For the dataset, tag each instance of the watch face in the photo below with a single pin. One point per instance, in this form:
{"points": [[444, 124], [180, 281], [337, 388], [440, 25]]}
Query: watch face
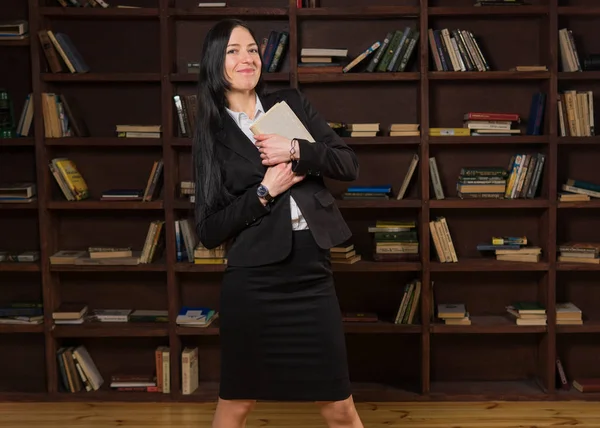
{"points": [[262, 191]]}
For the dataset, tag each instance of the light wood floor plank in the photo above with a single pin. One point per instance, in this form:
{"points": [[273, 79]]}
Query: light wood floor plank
{"points": [[305, 415]]}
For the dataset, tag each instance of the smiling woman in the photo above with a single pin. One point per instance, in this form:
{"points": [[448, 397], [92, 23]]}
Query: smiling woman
{"points": [[264, 198], [242, 61]]}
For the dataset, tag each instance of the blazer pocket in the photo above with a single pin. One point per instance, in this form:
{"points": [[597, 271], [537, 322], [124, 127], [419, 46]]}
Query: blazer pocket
{"points": [[324, 197]]}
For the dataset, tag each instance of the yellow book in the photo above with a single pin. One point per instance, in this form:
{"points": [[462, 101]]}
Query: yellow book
{"points": [[73, 178], [437, 132], [210, 261]]}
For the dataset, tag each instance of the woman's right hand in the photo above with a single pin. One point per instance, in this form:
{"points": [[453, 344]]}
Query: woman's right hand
{"points": [[280, 177]]}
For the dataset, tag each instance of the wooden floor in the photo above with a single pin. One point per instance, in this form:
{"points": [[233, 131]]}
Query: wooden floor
{"points": [[305, 415]]}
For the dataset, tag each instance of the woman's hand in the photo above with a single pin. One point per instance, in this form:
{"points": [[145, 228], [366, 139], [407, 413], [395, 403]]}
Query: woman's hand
{"points": [[280, 177], [275, 149]]}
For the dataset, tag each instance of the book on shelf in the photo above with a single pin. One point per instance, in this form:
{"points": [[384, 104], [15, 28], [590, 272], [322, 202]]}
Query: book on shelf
{"points": [[579, 252], [569, 57], [576, 113], [408, 309], [17, 192], [189, 370], [456, 50], [442, 240], [453, 314], [273, 50], [69, 179]]}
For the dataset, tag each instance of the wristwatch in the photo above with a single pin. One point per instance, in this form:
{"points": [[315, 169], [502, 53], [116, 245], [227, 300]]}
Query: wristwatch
{"points": [[263, 192]]}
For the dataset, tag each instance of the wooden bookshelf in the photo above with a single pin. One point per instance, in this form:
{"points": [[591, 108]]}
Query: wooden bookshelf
{"points": [[138, 62]]}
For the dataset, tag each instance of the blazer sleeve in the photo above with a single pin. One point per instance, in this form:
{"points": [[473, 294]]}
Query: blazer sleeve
{"points": [[329, 156], [227, 222]]}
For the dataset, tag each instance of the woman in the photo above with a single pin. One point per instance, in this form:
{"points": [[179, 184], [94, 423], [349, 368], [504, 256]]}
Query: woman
{"points": [[280, 324]]}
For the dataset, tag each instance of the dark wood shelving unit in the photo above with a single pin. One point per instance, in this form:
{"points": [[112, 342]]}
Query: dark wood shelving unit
{"points": [[134, 82]]}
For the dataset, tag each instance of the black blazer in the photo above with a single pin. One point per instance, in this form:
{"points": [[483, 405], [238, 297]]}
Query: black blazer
{"points": [[263, 235]]}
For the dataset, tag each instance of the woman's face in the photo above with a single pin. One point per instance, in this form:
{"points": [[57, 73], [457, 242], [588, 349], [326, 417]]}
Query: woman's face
{"points": [[242, 61]]}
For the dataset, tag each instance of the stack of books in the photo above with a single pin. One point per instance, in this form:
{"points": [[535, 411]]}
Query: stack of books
{"points": [[527, 313], [568, 314], [579, 190], [404, 130], [362, 129], [138, 131], [322, 60], [382, 192], [214, 256], [196, 316], [511, 249], [344, 254], [524, 175], [20, 192], [579, 252], [454, 314], [492, 124], [395, 241], [22, 313], [70, 313], [481, 183]]}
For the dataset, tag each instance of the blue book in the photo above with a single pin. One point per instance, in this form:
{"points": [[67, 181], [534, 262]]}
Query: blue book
{"points": [[370, 189]]}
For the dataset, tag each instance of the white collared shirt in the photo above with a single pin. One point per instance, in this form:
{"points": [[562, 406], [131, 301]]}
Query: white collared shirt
{"points": [[244, 122]]}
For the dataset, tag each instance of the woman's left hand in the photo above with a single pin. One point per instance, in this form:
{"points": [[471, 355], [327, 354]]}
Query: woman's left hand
{"points": [[274, 149]]}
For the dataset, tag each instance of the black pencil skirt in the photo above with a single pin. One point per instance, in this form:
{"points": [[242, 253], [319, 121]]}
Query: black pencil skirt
{"points": [[281, 329]]}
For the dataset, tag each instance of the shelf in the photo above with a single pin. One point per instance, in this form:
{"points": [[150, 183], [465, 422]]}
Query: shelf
{"points": [[343, 204], [21, 328], [515, 139], [381, 327], [589, 326], [487, 324], [357, 77], [487, 265], [579, 75], [568, 266], [354, 142], [17, 142], [358, 12], [487, 390], [267, 77], [349, 327], [592, 203], [371, 266], [143, 267], [361, 266], [103, 142], [116, 329], [105, 205], [192, 267], [579, 140], [219, 12], [100, 77], [489, 75], [15, 43], [19, 267], [489, 203], [579, 10], [19, 205], [485, 11], [382, 141], [370, 203], [99, 13]]}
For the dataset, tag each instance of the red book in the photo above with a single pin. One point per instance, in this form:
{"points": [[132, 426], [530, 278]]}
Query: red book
{"points": [[491, 116], [587, 384]]}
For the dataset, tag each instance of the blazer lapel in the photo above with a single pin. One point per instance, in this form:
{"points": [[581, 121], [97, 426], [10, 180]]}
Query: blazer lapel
{"points": [[234, 138]]}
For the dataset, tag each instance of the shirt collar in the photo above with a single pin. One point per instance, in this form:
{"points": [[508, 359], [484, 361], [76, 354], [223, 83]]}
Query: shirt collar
{"points": [[239, 116]]}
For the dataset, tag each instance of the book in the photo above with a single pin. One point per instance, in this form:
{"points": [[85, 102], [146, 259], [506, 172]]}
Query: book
{"points": [[280, 119]]}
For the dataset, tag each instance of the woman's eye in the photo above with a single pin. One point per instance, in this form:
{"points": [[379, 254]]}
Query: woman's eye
{"points": [[231, 51]]}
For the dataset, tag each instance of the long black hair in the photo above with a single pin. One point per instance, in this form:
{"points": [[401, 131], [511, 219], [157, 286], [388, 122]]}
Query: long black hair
{"points": [[210, 193]]}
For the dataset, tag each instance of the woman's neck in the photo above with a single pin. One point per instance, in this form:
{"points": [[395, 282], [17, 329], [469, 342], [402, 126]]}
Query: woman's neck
{"points": [[242, 102]]}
